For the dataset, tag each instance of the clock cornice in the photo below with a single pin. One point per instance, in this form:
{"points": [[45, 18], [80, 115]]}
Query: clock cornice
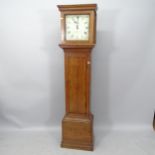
{"points": [[77, 7]]}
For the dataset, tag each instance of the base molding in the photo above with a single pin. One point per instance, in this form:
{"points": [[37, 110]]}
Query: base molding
{"points": [[80, 146], [77, 131]]}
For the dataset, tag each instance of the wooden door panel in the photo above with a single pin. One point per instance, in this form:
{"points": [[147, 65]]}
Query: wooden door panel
{"points": [[77, 78]]}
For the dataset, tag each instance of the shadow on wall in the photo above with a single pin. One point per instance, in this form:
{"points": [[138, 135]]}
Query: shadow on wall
{"points": [[100, 99], [100, 85], [154, 121], [105, 46]]}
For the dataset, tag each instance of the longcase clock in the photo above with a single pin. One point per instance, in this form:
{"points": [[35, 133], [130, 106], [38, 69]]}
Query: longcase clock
{"points": [[78, 37]]}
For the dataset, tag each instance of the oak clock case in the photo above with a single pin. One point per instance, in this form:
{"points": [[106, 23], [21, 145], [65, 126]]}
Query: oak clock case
{"points": [[78, 33]]}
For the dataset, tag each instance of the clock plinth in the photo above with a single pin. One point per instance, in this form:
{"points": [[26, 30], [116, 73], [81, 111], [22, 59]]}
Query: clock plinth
{"points": [[77, 131], [77, 124]]}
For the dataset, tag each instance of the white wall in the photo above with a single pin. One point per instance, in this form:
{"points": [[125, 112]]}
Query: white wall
{"points": [[32, 71]]}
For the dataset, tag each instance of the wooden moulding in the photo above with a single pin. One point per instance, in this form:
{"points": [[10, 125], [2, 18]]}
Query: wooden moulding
{"points": [[88, 46], [77, 131], [77, 7]]}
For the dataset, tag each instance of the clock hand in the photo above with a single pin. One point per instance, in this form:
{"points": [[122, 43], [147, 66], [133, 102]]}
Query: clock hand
{"points": [[77, 22], [77, 26], [74, 21]]}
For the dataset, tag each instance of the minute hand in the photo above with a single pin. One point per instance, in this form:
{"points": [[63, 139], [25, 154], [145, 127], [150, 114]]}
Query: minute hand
{"points": [[77, 23]]}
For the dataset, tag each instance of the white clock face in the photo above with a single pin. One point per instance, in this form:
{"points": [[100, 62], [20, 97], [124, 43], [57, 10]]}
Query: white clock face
{"points": [[77, 27]]}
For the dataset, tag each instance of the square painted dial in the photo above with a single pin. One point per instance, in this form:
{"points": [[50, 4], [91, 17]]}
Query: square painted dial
{"points": [[77, 27]]}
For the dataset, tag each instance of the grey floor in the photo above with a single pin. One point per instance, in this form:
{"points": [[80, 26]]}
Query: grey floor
{"points": [[107, 142]]}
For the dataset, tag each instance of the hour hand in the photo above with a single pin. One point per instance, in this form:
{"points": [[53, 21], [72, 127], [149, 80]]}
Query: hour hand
{"points": [[77, 26]]}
